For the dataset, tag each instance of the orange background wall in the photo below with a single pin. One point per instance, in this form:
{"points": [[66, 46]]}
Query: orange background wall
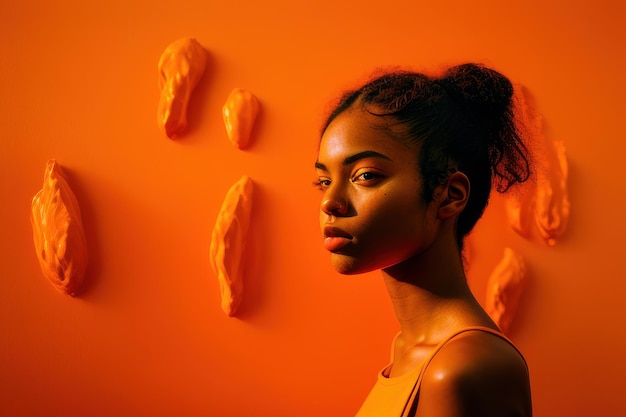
{"points": [[78, 83]]}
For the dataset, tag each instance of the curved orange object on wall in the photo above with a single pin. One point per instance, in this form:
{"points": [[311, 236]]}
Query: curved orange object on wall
{"points": [[552, 206], [180, 68], [240, 112], [504, 289], [544, 203], [228, 242], [58, 232]]}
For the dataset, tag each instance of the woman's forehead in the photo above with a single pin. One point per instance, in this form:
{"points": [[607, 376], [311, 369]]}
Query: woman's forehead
{"points": [[355, 130]]}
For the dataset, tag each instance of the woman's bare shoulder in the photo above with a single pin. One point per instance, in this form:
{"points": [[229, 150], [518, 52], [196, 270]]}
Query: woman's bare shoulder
{"points": [[476, 373]]}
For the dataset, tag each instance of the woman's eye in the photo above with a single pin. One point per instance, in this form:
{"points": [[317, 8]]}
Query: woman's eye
{"points": [[322, 183], [366, 176]]}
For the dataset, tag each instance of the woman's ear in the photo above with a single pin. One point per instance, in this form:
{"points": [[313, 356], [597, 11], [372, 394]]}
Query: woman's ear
{"points": [[454, 195]]}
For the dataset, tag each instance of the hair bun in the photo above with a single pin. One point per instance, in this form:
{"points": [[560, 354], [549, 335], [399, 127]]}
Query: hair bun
{"points": [[486, 96], [480, 86]]}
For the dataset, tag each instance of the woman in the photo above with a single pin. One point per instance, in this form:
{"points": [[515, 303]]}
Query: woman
{"points": [[406, 164]]}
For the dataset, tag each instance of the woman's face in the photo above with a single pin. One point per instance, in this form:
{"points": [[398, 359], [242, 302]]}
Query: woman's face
{"points": [[372, 212]]}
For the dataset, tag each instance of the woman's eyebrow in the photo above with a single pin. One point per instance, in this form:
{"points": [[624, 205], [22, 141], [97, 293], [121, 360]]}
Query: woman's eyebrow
{"points": [[320, 166], [365, 154], [353, 158]]}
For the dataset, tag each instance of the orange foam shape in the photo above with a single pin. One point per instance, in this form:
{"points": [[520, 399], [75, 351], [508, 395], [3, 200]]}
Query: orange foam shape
{"points": [[544, 204], [240, 112], [228, 243], [504, 289], [180, 68], [552, 205], [58, 232]]}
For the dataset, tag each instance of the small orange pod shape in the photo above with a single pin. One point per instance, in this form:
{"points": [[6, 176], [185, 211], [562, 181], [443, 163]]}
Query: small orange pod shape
{"points": [[240, 112]]}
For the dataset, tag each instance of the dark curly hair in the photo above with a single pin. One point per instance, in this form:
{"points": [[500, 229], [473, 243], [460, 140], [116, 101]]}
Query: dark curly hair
{"points": [[462, 120]]}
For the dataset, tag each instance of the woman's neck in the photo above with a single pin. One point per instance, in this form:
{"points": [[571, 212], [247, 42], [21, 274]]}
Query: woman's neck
{"points": [[431, 297]]}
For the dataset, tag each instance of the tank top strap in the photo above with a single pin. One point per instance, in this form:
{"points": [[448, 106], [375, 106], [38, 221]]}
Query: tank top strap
{"points": [[440, 345]]}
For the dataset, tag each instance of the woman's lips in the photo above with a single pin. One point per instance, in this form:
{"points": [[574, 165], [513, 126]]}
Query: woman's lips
{"points": [[335, 239], [334, 243]]}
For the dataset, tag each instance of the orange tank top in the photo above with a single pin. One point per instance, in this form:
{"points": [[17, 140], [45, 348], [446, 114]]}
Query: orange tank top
{"points": [[393, 397]]}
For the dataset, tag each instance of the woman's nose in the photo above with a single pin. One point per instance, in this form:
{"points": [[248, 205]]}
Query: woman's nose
{"points": [[335, 206]]}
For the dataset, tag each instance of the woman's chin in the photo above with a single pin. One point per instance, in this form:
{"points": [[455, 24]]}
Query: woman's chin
{"points": [[349, 266]]}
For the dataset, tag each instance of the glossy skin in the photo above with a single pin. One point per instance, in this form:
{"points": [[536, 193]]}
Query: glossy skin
{"points": [[366, 198], [373, 216]]}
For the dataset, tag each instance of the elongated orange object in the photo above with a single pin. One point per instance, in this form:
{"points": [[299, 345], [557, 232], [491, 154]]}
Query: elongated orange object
{"points": [[552, 206], [544, 203], [58, 232], [228, 242], [504, 289], [239, 113], [180, 68]]}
